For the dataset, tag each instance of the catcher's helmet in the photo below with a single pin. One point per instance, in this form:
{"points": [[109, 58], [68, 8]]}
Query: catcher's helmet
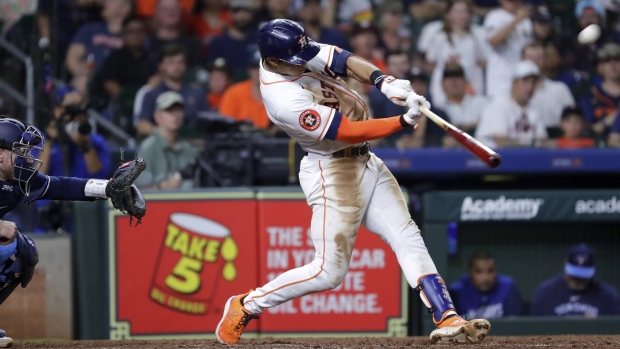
{"points": [[25, 141], [287, 41]]}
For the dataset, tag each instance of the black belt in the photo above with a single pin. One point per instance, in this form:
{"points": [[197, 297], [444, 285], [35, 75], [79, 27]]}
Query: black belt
{"points": [[362, 150]]}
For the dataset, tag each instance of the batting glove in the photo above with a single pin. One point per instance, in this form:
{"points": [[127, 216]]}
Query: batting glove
{"points": [[413, 115], [396, 90]]}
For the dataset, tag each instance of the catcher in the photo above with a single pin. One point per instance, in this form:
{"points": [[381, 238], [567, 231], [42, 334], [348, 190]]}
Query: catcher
{"points": [[20, 180]]}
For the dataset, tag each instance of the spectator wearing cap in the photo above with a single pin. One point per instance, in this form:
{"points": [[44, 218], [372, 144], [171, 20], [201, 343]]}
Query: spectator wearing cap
{"points": [[582, 57], [573, 130], [600, 104], [458, 42], [242, 101], [426, 133], [168, 29], [509, 120], [310, 14], [575, 292], [92, 44], [172, 66], [171, 161], [483, 292], [551, 97], [220, 78], [208, 20], [508, 29], [365, 43], [463, 109], [394, 34], [237, 41], [542, 25]]}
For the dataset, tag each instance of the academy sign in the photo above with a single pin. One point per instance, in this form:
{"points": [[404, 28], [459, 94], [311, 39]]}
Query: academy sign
{"points": [[597, 206], [500, 208]]}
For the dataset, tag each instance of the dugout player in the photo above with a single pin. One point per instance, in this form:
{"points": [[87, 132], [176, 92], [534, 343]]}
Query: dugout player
{"points": [[20, 180], [344, 183]]}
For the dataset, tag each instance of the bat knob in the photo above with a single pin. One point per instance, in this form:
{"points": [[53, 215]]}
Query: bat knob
{"points": [[494, 160]]}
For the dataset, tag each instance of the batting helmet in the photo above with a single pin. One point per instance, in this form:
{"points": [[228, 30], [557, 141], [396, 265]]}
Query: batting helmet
{"points": [[25, 141], [287, 41]]}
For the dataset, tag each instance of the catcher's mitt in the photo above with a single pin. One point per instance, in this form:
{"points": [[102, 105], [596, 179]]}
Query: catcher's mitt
{"points": [[124, 195]]}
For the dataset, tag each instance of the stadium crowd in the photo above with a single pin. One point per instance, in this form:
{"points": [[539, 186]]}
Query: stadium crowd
{"points": [[510, 72]]}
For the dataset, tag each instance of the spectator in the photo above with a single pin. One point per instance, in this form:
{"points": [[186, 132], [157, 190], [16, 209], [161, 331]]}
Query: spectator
{"points": [[614, 135], [148, 8], [171, 161], [171, 69], [243, 102], [542, 27], [310, 15], [458, 42], [426, 39], [483, 292], [576, 292], [394, 34], [168, 29], [93, 42], [555, 69], [58, 21], [71, 149], [208, 21], [482, 7], [274, 9], [463, 109], [423, 11], [573, 130], [343, 14], [600, 104], [397, 65], [220, 78], [509, 120], [508, 30], [127, 66], [239, 40], [426, 133], [550, 97], [365, 43], [579, 56]]}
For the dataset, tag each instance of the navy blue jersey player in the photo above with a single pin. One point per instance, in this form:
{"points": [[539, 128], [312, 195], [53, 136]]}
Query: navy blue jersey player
{"points": [[21, 181]]}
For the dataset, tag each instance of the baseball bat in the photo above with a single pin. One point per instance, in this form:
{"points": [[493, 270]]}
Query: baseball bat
{"points": [[484, 153]]}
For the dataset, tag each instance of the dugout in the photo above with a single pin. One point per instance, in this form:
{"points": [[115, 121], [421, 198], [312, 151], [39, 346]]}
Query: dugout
{"points": [[529, 233]]}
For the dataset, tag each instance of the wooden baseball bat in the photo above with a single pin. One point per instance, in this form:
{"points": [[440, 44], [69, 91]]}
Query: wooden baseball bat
{"points": [[484, 153]]}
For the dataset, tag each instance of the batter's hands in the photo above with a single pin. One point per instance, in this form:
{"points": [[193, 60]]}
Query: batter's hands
{"points": [[8, 231], [396, 90]]}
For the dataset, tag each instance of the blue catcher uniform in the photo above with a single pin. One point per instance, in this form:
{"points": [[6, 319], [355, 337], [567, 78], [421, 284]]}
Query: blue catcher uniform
{"points": [[21, 181], [504, 299]]}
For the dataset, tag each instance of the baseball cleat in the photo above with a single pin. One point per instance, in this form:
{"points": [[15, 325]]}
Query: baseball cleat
{"points": [[236, 318], [457, 329], [5, 342]]}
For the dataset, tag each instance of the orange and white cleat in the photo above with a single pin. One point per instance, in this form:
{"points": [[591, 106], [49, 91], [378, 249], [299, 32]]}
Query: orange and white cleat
{"points": [[456, 329], [236, 318]]}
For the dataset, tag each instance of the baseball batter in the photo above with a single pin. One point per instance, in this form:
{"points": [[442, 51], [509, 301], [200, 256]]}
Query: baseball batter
{"points": [[344, 183]]}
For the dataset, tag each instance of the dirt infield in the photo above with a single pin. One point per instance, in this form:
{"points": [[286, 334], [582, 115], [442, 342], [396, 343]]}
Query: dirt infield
{"points": [[573, 342]]}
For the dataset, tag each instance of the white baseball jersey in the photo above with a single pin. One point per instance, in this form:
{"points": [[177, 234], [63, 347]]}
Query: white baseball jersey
{"points": [[305, 106]]}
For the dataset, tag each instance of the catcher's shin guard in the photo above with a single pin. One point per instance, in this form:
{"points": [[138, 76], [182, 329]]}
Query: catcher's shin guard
{"points": [[435, 296]]}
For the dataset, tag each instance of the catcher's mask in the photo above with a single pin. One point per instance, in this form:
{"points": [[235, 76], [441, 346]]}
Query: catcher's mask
{"points": [[25, 141]]}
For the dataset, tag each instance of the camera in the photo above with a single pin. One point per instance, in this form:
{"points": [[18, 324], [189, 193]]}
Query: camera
{"points": [[70, 113]]}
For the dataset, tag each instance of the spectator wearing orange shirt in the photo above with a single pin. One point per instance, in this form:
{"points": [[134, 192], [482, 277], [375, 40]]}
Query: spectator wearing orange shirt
{"points": [[146, 8], [573, 130], [242, 101], [220, 78], [208, 19]]}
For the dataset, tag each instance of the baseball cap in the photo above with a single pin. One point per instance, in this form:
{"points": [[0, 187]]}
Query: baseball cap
{"points": [[168, 99], [580, 262], [524, 69], [589, 4], [246, 4], [417, 74], [453, 70], [364, 26], [541, 14], [608, 52]]}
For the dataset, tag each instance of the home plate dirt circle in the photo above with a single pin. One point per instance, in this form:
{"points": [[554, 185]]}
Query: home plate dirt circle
{"points": [[520, 342]]}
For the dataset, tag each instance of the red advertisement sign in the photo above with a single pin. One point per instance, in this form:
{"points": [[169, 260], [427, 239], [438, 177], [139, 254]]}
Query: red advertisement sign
{"points": [[172, 274], [374, 290]]}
